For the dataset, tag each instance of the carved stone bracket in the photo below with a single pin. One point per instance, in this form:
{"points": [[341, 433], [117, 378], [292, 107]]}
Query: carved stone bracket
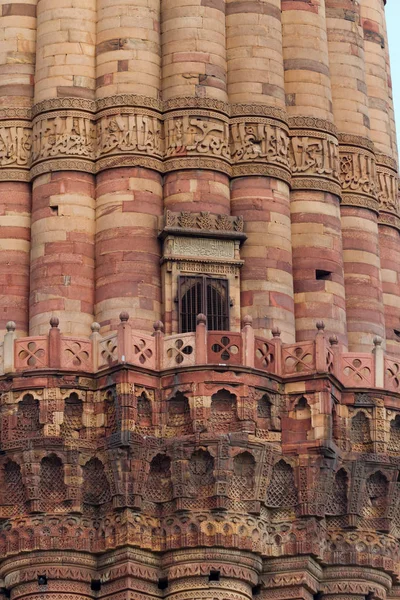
{"points": [[358, 174], [203, 223]]}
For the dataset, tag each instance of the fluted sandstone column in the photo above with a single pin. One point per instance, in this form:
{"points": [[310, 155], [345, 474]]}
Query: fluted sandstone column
{"points": [[390, 92], [212, 573], [194, 94], [363, 283], [260, 188], [196, 120], [62, 258], [382, 132], [17, 56], [316, 235], [129, 192], [23, 576]]}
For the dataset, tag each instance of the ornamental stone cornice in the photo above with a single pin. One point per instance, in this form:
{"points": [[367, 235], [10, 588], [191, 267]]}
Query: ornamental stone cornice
{"points": [[315, 123], [195, 133]]}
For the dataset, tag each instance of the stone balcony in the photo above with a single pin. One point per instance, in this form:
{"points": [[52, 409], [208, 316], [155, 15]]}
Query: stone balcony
{"points": [[159, 352]]}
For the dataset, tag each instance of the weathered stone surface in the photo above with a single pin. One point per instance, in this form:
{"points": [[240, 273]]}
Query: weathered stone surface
{"points": [[164, 158]]}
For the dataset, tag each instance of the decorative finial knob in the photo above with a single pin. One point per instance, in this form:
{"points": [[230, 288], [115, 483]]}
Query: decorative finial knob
{"points": [[11, 326], [248, 320], [124, 316], [158, 326], [201, 319], [333, 340], [54, 321], [377, 341], [276, 332], [95, 327], [320, 325]]}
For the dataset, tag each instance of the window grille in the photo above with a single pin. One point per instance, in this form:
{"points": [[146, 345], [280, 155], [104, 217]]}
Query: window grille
{"points": [[202, 294]]}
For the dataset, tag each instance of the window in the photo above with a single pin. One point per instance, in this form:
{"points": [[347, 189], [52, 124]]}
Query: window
{"points": [[202, 294]]}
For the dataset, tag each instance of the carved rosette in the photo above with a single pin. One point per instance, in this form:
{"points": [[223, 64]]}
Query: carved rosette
{"points": [[259, 141], [196, 137], [388, 191], [314, 155], [358, 174], [129, 133], [15, 144], [63, 136]]}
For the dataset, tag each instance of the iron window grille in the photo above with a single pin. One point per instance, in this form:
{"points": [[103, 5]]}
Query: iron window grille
{"points": [[207, 295]]}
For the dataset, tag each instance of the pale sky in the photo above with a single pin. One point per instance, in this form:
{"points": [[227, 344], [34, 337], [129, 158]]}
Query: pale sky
{"points": [[393, 25]]}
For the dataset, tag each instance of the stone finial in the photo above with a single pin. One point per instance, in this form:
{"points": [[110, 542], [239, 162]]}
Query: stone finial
{"points": [[124, 316], [333, 340], [158, 326], [248, 320], [95, 327], [201, 319], [11, 326], [320, 325], [54, 321], [276, 332], [377, 341]]}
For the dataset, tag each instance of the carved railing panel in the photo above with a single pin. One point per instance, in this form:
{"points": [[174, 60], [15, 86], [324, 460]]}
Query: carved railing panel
{"points": [[31, 353], [392, 374], [264, 355], [108, 351], [179, 351], [76, 354], [144, 351], [224, 347], [298, 358], [357, 370]]}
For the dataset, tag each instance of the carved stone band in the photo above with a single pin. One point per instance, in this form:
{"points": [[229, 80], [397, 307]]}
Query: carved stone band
{"points": [[184, 139], [388, 185], [191, 133], [358, 175], [199, 135], [314, 158], [15, 145]]}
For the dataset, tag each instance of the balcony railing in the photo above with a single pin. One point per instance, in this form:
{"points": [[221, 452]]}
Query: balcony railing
{"points": [[158, 352]]}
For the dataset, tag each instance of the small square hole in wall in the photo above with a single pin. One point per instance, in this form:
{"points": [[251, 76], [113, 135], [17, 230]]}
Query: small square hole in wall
{"points": [[95, 585], [163, 583], [320, 274], [6, 593], [214, 575], [54, 210], [42, 580], [396, 332], [256, 589]]}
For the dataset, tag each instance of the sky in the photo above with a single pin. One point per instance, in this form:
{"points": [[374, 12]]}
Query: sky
{"points": [[393, 25]]}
